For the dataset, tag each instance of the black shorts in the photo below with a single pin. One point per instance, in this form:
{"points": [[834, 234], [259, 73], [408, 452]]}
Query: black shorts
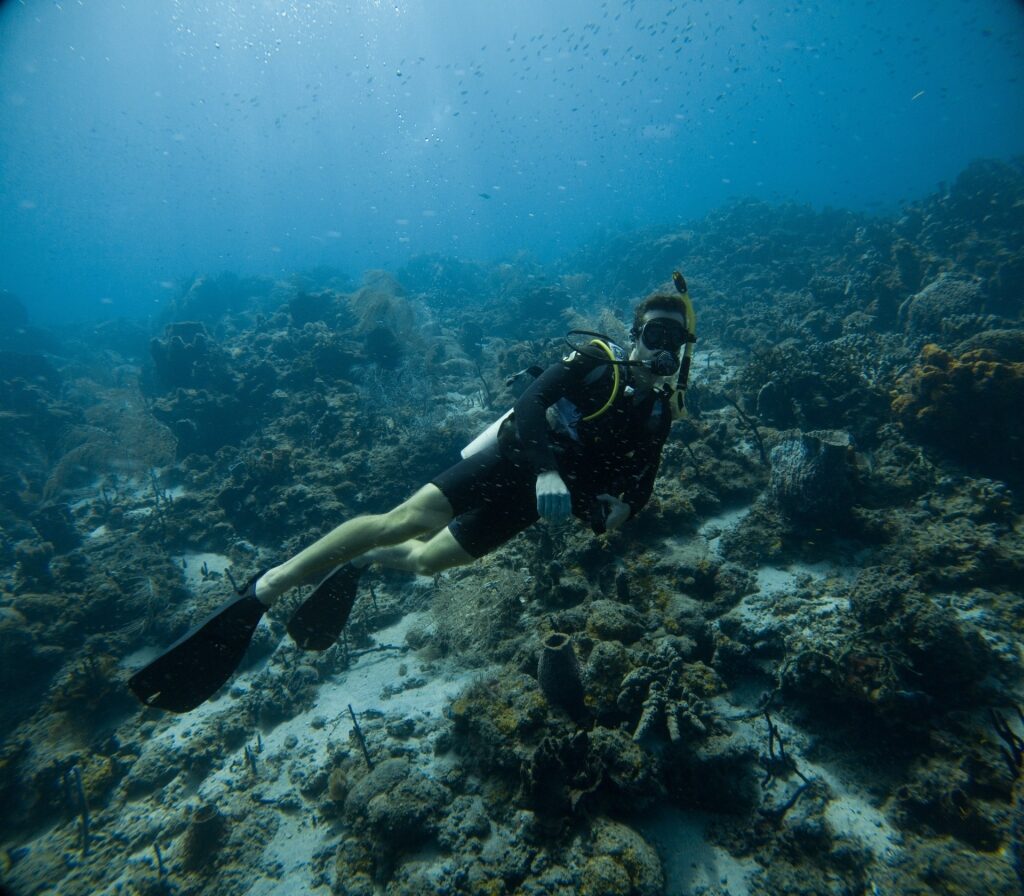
{"points": [[493, 498]]}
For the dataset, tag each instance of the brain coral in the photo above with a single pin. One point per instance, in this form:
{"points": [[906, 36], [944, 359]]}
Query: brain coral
{"points": [[968, 406], [938, 307]]}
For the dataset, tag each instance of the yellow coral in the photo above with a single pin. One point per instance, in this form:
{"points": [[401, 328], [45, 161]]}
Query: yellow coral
{"points": [[967, 405], [100, 775], [338, 785], [603, 876], [702, 680]]}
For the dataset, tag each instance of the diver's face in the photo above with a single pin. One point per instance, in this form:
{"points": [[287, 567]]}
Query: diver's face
{"points": [[661, 331]]}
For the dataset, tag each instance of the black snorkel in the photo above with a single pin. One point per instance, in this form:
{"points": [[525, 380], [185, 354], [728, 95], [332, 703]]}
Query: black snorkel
{"points": [[679, 393]]}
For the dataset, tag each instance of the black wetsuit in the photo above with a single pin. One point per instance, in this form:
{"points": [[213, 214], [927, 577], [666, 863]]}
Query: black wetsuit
{"points": [[493, 492]]}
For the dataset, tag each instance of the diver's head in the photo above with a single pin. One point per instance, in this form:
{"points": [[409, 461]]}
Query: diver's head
{"points": [[659, 333]]}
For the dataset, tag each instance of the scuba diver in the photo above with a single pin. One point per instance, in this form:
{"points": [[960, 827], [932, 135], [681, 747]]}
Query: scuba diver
{"points": [[584, 440]]}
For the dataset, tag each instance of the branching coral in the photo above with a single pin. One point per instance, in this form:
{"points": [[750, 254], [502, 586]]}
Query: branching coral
{"points": [[665, 695]]}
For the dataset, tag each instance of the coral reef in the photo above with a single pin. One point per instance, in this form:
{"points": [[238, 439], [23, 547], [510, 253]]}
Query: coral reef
{"points": [[186, 357], [948, 308], [966, 406], [792, 654]]}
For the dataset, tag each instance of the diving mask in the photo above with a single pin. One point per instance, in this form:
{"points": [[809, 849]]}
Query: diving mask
{"points": [[663, 334]]}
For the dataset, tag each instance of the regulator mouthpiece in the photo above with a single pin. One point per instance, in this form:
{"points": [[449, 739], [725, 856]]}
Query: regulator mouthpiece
{"points": [[663, 364]]}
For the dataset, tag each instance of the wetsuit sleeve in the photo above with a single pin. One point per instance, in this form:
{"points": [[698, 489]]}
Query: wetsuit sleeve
{"points": [[560, 380], [638, 491], [639, 485]]}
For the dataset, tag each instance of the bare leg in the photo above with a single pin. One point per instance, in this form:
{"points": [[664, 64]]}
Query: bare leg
{"points": [[426, 511], [423, 557]]}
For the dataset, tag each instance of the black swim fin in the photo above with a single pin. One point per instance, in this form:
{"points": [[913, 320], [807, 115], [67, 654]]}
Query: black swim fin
{"points": [[197, 665], [318, 621]]}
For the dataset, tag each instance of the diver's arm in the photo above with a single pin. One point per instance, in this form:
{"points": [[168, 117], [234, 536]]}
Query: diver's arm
{"points": [[638, 492], [530, 411], [534, 435], [637, 484], [637, 487]]}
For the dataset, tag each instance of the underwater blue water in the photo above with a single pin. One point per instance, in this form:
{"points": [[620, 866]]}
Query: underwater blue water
{"points": [[143, 143]]}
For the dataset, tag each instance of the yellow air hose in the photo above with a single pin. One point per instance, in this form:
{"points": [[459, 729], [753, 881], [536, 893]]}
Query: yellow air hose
{"points": [[615, 383]]}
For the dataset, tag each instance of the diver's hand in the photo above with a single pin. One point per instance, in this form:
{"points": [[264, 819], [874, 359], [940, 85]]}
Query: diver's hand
{"points": [[617, 512], [553, 501]]}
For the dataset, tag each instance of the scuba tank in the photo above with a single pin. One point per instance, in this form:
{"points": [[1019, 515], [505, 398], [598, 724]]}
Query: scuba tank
{"points": [[486, 438]]}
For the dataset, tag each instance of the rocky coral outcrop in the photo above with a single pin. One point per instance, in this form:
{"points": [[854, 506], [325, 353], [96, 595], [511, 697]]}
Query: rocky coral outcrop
{"points": [[949, 308], [813, 669], [967, 407]]}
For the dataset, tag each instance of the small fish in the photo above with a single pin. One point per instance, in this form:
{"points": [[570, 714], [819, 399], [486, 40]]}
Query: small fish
{"points": [[917, 96], [484, 195]]}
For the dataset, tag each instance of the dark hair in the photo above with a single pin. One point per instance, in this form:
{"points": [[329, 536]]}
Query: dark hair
{"points": [[658, 302]]}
